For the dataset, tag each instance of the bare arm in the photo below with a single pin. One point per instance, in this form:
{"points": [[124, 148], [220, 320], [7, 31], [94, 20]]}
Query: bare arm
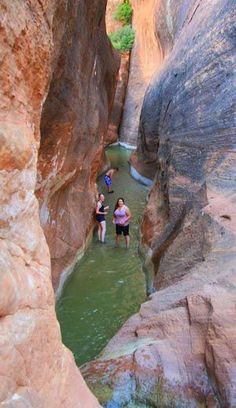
{"points": [[109, 173], [128, 213], [98, 206]]}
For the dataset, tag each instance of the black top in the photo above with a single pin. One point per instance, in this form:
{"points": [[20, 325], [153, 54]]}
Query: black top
{"points": [[100, 217]]}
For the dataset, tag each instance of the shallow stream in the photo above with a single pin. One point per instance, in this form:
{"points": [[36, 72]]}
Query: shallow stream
{"points": [[107, 286]]}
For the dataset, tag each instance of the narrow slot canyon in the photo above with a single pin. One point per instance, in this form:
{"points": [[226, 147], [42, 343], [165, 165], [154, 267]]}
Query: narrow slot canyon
{"points": [[146, 86], [108, 285]]}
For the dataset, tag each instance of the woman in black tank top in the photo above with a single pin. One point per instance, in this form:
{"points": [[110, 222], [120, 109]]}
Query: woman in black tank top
{"points": [[101, 211], [101, 217]]}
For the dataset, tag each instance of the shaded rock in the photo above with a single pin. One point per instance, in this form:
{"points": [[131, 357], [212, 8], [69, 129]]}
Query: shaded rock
{"points": [[179, 350], [73, 127], [118, 106], [190, 148], [122, 80], [36, 370]]}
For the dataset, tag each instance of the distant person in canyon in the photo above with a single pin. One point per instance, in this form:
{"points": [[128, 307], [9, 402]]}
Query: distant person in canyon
{"points": [[108, 176], [101, 211], [121, 217]]}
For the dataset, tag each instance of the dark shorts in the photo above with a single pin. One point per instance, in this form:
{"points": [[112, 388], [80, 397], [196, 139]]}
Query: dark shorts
{"points": [[122, 229], [100, 217], [107, 180]]}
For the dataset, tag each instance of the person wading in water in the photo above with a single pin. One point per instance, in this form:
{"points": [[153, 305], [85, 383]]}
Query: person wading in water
{"points": [[109, 174], [101, 211], [121, 217]]}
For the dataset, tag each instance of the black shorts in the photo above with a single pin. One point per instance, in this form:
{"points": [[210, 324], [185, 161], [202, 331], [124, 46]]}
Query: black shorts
{"points": [[122, 229], [100, 217]]}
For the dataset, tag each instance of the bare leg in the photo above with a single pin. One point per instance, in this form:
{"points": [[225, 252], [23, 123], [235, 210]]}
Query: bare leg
{"points": [[127, 241], [103, 230], [99, 232], [117, 240]]}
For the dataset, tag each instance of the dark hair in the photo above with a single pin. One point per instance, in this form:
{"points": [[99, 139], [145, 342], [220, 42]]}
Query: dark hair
{"points": [[117, 205], [99, 195], [116, 168]]}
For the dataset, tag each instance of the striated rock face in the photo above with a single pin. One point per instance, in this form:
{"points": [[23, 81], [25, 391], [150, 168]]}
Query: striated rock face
{"points": [[117, 109], [36, 370], [180, 350], [188, 142], [73, 127], [146, 57], [122, 80]]}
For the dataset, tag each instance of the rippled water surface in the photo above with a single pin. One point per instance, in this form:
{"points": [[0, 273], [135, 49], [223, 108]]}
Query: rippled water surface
{"points": [[107, 286]]}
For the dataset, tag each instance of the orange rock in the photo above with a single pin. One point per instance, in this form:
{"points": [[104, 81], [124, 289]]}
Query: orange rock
{"points": [[36, 370], [146, 58], [180, 349], [73, 128]]}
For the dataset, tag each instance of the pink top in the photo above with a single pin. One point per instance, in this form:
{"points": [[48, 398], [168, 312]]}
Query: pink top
{"points": [[121, 216]]}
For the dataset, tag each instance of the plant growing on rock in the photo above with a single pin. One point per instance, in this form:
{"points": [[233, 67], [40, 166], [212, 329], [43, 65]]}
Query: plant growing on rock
{"points": [[123, 39], [124, 13]]}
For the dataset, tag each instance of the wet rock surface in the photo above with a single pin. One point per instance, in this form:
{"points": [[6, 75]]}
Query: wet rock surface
{"points": [[180, 349]]}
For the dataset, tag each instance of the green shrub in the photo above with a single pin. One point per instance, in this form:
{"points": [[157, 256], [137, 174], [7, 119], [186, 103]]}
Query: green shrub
{"points": [[123, 38], [124, 12]]}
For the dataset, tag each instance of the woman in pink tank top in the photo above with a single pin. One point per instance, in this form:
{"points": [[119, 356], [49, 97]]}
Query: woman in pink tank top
{"points": [[121, 217]]}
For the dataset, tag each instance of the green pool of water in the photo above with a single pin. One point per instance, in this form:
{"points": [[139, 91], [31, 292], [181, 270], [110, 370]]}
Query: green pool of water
{"points": [[107, 286]]}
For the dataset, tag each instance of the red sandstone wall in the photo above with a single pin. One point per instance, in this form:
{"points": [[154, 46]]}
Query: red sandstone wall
{"points": [[122, 78], [112, 135], [36, 370], [146, 58], [73, 128], [180, 349]]}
